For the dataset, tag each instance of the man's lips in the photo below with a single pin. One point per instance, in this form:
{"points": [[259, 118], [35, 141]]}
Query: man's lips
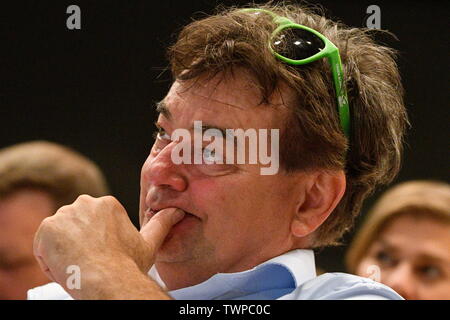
{"points": [[150, 212], [189, 222]]}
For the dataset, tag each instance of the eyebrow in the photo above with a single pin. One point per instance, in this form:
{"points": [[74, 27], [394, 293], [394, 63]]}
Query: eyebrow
{"points": [[431, 257], [208, 126], [161, 107], [422, 256], [204, 128], [384, 243]]}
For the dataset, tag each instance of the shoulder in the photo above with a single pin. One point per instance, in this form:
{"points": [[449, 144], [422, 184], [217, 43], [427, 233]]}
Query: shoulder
{"points": [[342, 286], [50, 291]]}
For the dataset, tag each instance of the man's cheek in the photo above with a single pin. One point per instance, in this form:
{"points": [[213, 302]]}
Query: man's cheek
{"points": [[220, 223], [146, 166], [145, 173]]}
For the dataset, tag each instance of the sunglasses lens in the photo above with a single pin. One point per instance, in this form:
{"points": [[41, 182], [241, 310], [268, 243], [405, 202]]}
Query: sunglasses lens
{"points": [[297, 44]]}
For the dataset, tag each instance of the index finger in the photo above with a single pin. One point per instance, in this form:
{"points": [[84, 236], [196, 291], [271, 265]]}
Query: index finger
{"points": [[157, 228]]}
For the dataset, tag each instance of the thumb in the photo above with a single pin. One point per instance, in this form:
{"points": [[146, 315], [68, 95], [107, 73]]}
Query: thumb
{"points": [[156, 229]]}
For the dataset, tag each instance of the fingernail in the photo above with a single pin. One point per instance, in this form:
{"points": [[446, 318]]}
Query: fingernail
{"points": [[178, 215]]}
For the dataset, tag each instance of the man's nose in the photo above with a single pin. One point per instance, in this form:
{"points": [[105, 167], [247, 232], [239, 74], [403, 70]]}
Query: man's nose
{"points": [[402, 280], [161, 171]]}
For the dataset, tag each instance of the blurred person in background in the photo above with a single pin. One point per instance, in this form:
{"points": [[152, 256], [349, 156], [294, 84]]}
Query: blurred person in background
{"points": [[405, 241], [36, 178]]}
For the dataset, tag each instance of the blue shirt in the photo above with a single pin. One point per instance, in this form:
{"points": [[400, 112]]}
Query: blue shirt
{"points": [[291, 276]]}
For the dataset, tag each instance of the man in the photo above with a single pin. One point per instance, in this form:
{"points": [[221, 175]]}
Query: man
{"points": [[36, 178], [216, 229]]}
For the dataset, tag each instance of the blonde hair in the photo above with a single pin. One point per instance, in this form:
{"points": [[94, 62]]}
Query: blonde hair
{"points": [[63, 173], [430, 199], [312, 137]]}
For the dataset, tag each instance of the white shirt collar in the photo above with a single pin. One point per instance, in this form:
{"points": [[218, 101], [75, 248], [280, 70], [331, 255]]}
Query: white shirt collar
{"points": [[296, 266]]}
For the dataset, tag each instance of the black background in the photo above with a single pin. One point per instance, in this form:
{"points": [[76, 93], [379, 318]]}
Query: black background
{"points": [[93, 89], [279, 309]]}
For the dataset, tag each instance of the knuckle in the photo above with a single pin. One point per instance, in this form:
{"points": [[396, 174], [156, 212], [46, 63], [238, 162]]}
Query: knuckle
{"points": [[47, 224], [84, 198], [109, 200], [113, 203], [63, 209], [48, 221]]}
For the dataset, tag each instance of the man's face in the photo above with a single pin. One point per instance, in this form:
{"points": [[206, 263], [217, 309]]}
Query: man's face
{"points": [[237, 217], [413, 255]]}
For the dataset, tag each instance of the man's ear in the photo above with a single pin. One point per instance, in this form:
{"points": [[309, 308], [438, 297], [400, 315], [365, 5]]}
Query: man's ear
{"points": [[322, 195]]}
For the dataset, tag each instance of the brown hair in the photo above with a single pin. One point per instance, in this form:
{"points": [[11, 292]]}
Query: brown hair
{"points": [[50, 167], [312, 137], [429, 199]]}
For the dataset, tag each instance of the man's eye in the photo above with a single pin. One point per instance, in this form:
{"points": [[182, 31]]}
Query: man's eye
{"points": [[209, 155], [213, 155], [161, 134]]}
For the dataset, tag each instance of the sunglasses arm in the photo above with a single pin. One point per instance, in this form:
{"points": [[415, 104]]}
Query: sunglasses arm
{"points": [[341, 93]]}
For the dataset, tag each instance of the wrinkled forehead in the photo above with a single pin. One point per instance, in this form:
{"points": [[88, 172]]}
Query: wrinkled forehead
{"points": [[225, 94], [236, 90]]}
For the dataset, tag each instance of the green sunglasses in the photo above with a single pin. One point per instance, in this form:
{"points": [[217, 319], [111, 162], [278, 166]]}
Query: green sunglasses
{"points": [[296, 44]]}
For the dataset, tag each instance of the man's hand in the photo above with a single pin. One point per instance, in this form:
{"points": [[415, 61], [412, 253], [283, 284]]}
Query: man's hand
{"points": [[96, 235]]}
